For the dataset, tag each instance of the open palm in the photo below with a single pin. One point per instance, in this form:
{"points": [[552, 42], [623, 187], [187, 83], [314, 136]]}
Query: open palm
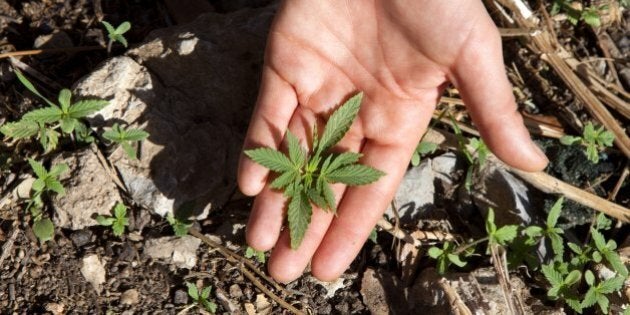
{"points": [[401, 54]]}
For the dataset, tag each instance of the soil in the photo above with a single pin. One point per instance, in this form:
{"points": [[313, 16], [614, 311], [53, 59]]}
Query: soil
{"points": [[38, 278]]}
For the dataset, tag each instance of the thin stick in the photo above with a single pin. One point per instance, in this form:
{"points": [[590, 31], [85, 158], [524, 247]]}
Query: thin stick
{"points": [[458, 306], [234, 258], [48, 51], [6, 248], [406, 237], [622, 178]]}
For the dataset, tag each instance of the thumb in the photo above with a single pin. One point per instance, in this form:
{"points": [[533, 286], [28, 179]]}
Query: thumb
{"points": [[480, 76]]}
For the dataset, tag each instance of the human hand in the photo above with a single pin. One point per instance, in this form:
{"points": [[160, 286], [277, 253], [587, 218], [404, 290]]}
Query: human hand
{"points": [[401, 54]]}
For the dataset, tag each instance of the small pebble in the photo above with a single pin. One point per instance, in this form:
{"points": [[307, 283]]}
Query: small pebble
{"points": [[130, 297], [181, 297], [235, 291], [81, 238]]}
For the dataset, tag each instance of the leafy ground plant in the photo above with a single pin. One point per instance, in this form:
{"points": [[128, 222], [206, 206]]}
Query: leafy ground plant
{"points": [[180, 226], [44, 122], [305, 177], [202, 298], [126, 137], [116, 34], [258, 254], [593, 139], [576, 11], [47, 182], [118, 222]]}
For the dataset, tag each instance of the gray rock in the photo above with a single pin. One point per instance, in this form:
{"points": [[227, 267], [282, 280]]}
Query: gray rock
{"points": [[181, 251], [89, 191], [180, 297], [192, 88], [81, 238], [415, 194]]}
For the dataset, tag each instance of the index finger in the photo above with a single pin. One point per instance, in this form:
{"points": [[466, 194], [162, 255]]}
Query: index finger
{"points": [[275, 105]]}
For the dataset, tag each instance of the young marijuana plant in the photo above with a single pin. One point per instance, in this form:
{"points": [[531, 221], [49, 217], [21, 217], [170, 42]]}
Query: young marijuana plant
{"points": [[576, 12], [118, 221], [305, 177], [180, 226], [258, 254], [593, 139], [550, 231], [446, 256], [47, 182], [201, 297], [116, 34], [44, 122], [423, 148], [125, 137]]}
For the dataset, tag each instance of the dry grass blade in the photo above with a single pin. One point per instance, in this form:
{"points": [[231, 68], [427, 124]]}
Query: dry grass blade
{"points": [[48, 51], [406, 237], [457, 305]]}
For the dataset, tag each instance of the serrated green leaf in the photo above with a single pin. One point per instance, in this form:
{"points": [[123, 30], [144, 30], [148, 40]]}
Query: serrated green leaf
{"points": [[606, 138], [591, 153], [129, 149], [598, 239], [554, 213], [296, 153], [612, 285], [591, 17], [29, 86], [271, 159], [570, 140], [54, 185], [505, 234], [342, 159], [58, 169], [67, 124], [119, 226], [603, 222], [39, 169], [193, 292], [65, 97], [20, 129], [574, 304], [205, 293], [339, 122], [284, 180], [135, 135], [123, 28], [110, 29], [105, 221], [590, 298], [356, 174], [317, 199], [113, 135], [299, 217], [603, 302], [44, 229], [44, 115], [52, 139], [552, 275], [615, 262], [84, 108], [209, 306], [120, 210], [557, 245], [533, 231], [329, 196], [38, 185], [575, 248], [589, 133]]}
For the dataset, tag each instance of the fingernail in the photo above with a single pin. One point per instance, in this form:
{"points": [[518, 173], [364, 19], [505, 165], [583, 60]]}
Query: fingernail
{"points": [[539, 152]]}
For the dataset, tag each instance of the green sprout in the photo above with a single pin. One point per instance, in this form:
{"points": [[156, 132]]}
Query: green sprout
{"points": [[118, 222], [593, 139], [180, 226], [305, 177], [201, 297], [125, 137], [116, 34], [258, 254], [47, 182], [550, 231], [446, 256]]}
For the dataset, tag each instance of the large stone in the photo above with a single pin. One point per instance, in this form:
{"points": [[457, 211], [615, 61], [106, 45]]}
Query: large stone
{"points": [[192, 88], [181, 251], [415, 195]]}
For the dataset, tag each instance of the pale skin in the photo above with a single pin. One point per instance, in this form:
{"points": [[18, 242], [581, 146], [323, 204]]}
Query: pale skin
{"points": [[401, 54]]}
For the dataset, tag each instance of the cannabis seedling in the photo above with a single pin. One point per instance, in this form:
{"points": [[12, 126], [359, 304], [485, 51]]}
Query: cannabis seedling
{"points": [[562, 286], [201, 297], [593, 139], [116, 34], [446, 256], [64, 115], [597, 293], [550, 231], [501, 236], [305, 177], [180, 226], [47, 182], [125, 137], [118, 221], [423, 148], [258, 254]]}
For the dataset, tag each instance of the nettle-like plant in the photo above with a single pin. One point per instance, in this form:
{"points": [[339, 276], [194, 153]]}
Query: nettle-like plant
{"points": [[44, 123], [116, 34], [118, 222], [125, 137], [201, 297], [46, 183], [305, 176], [594, 140]]}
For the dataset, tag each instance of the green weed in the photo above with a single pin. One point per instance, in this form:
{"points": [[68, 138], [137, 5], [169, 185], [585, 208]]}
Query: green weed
{"points": [[116, 34], [593, 139], [118, 222], [202, 298]]}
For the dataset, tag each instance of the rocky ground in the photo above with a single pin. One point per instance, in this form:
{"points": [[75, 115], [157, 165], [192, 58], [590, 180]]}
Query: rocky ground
{"points": [[189, 78]]}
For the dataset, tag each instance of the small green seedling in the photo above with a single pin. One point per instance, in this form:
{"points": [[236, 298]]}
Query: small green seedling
{"points": [[305, 177], [501, 236], [373, 236], [423, 148], [258, 254], [606, 250], [575, 13], [550, 231], [446, 256], [118, 222], [180, 226], [116, 34], [563, 286], [43, 122], [597, 293], [125, 137], [201, 297], [593, 139], [47, 182]]}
